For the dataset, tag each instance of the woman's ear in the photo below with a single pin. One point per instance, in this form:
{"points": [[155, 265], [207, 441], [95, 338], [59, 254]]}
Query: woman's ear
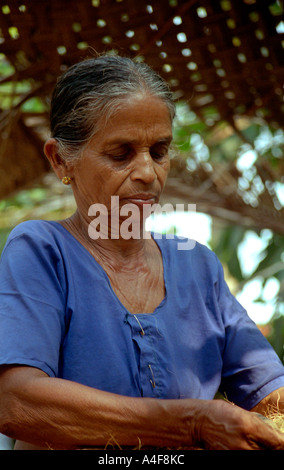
{"points": [[58, 164]]}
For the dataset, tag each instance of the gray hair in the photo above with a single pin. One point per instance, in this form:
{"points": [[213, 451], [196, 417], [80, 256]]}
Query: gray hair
{"points": [[94, 88]]}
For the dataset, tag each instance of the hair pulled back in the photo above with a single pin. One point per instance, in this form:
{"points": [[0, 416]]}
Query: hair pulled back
{"points": [[94, 88]]}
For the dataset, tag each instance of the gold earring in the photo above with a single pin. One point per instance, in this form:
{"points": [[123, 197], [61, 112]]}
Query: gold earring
{"points": [[66, 180]]}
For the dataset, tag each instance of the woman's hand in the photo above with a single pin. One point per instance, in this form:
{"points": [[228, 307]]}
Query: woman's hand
{"points": [[228, 427]]}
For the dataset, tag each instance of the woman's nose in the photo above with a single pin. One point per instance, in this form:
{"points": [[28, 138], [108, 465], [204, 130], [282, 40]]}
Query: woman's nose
{"points": [[143, 168]]}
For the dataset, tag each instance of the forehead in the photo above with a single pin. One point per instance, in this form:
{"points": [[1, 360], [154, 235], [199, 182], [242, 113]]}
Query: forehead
{"points": [[139, 117]]}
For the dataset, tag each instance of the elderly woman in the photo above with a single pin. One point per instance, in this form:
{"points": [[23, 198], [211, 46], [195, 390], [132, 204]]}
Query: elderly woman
{"points": [[123, 339]]}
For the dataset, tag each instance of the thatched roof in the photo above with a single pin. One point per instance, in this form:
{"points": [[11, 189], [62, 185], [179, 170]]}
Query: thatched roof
{"points": [[226, 53]]}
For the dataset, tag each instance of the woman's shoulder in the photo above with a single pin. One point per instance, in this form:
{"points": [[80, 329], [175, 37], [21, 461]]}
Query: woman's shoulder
{"points": [[190, 258], [37, 232], [185, 248], [33, 228]]}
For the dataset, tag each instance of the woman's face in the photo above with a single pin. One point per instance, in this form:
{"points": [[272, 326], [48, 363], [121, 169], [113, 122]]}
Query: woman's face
{"points": [[127, 157]]}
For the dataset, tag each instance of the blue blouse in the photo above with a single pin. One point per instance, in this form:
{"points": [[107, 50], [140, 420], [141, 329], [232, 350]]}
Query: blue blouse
{"points": [[59, 313]]}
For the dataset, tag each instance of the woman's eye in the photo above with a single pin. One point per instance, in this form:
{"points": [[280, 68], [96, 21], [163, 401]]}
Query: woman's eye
{"points": [[159, 153], [119, 155]]}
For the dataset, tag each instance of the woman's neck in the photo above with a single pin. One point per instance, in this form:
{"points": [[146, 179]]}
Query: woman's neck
{"points": [[114, 251], [134, 267]]}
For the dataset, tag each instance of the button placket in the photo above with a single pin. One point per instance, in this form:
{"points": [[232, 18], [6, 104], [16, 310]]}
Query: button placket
{"points": [[141, 334], [152, 381]]}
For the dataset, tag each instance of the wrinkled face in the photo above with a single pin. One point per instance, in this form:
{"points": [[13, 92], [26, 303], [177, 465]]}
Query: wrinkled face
{"points": [[127, 157]]}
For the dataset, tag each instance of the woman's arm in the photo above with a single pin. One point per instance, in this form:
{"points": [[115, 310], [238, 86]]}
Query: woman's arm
{"points": [[55, 413], [274, 402]]}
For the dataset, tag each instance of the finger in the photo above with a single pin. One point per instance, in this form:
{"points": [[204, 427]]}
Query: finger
{"points": [[268, 435]]}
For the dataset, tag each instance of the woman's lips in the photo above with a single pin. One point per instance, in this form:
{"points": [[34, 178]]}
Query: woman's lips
{"points": [[141, 199]]}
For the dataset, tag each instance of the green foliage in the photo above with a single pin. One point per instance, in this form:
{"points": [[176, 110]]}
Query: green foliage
{"points": [[269, 265], [276, 335], [17, 93], [4, 232], [225, 248]]}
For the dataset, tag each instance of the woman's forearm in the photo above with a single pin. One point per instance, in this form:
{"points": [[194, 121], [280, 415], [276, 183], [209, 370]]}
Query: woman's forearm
{"points": [[272, 403], [56, 413], [59, 414]]}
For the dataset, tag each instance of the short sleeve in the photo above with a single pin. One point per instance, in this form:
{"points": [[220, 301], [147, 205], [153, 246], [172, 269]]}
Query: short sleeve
{"points": [[32, 301], [251, 368]]}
